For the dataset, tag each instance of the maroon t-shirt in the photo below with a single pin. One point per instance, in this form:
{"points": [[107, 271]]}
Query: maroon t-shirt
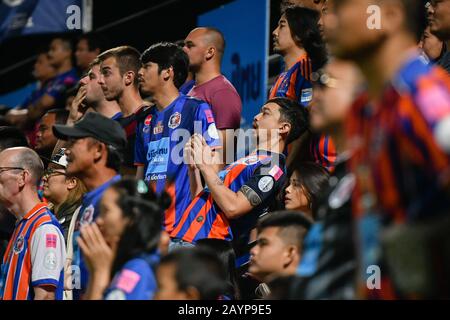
{"points": [[224, 100]]}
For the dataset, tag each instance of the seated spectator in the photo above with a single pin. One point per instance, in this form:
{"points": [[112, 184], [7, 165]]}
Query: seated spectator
{"points": [[62, 191], [123, 243], [60, 57], [434, 48], [226, 253], [191, 274], [279, 243], [306, 182]]}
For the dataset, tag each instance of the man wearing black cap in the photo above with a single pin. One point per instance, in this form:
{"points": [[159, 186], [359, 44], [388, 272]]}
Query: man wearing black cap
{"points": [[94, 155]]}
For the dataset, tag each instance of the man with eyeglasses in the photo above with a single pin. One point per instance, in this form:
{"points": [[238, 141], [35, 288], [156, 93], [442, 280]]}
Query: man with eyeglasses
{"points": [[32, 267], [328, 270], [94, 155]]}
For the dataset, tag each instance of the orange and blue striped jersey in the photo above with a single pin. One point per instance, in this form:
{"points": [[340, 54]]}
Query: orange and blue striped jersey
{"points": [[158, 150], [397, 158], [295, 84], [35, 256], [262, 171]]}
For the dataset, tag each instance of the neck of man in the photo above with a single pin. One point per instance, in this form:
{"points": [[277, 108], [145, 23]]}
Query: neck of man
{"points": [[380, 65], [165, 97], [26, 201], [64, 67], [97, 176], [291, 57], [337, 135], [107, 108], [276, 146], [208, 71], [130, 101]]}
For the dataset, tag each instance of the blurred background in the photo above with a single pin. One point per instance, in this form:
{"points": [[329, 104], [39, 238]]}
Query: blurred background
{"points": [[27, 27]]}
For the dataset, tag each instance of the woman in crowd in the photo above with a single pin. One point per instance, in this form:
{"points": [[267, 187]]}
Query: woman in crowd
{"points": [[306, 181], [122, 244], [63, 192]]}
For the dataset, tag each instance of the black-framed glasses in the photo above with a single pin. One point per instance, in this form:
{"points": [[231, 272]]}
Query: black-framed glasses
{"points": [[4, 169], [51, 173]]}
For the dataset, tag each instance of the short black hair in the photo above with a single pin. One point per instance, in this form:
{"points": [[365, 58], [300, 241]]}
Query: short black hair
{"points": [[11, 137], [127, 59], [94, 41], [415, 16], [199, 268], [166, 55], [293, 225], [293, 113], [61, 115]]}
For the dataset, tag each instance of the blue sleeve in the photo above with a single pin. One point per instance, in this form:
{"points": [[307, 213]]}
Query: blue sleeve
{"points": [[139, 146], [135, 281], [303, 88], [205, 116]]}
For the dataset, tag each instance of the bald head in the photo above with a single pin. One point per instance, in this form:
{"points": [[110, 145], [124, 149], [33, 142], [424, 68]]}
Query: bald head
{"points": [[25, 158], [210, 37]]}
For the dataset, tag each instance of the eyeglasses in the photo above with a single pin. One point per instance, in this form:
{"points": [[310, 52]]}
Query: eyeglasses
{"points": [[4, 169], [324, 80], [51, 172]]}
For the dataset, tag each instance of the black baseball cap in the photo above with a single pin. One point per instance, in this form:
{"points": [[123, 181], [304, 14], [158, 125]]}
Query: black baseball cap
{"points": [[96, 126]]}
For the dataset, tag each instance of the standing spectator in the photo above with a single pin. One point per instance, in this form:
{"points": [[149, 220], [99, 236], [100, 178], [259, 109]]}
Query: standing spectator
{"points": [[45, 140], [33, 264], [439, 21], [205, 48], [62, 191], [329, 268], [398, 134], [94, 154], [234, 198], [10, 137], [179, 276], [279, 243], [88, 47], [174, 118], [435, 49], [43, 72], [122, 243], [306, 183], [298, 39], [119, 81]]}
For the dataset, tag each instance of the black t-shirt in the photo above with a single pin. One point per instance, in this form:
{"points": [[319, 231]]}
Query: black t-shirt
{"points": [[130, 124]]}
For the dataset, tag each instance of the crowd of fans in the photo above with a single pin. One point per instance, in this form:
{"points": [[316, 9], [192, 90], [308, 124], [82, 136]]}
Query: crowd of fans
{"points": [[119, 177]]}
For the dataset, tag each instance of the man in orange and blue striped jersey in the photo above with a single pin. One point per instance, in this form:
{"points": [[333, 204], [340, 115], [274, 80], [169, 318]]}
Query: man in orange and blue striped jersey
{"points": [[32, 267], [298, 39], [233, 199]]}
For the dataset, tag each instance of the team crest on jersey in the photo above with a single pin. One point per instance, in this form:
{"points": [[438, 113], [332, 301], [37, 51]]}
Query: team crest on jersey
{"points": [[19, 244], [174, 120], [88, 215], [158, 128], [148, 120]]}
